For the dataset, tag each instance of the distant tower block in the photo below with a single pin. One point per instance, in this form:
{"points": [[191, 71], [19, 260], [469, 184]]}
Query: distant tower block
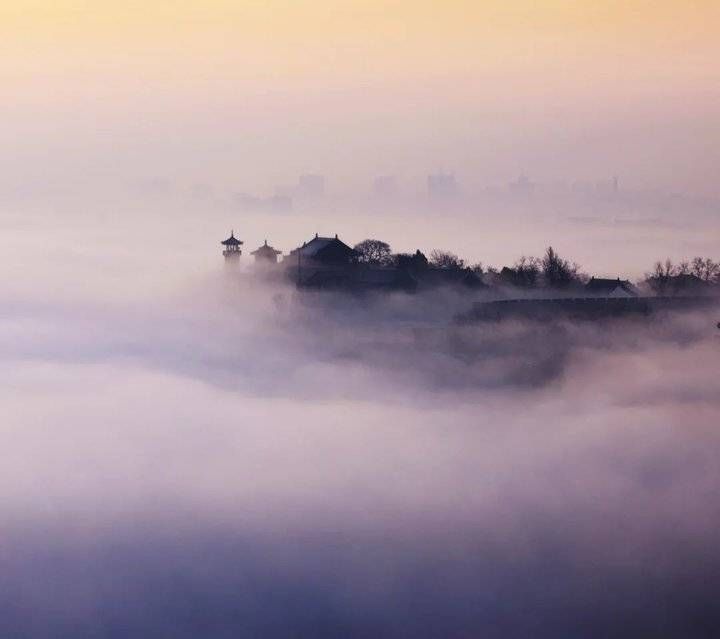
{"points": [[385, 186], [266, 254], [231, 250], [522, 187], [442, 187]]}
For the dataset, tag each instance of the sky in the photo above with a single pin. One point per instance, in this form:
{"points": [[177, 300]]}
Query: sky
{"points": [[250, 94]]}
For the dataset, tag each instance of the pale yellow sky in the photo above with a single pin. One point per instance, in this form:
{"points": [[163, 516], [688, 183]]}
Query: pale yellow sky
{"points": [[312, 37], [425, 80]]}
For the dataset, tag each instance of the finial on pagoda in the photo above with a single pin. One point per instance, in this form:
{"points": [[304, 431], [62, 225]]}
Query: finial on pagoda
{"points": [[231, 250]]}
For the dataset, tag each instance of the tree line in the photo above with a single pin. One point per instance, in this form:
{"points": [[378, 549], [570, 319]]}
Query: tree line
{"points": [[529, 272], [666, 276]]}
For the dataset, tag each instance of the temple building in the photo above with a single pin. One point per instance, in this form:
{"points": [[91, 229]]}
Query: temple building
{"points": [[323, 251], [322, 258], [266, 254], [329, 263], [603, 287], [231, 250]]}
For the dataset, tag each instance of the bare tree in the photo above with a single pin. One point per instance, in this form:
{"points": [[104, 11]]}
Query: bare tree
{"points": [[661, 276], [375, 252], [527, 270], [667, 268], [477, 269], [705, 269], [446, 260], [697, 268]]}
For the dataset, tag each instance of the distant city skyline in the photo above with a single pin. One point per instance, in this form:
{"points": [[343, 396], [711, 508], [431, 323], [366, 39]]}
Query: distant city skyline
{"points": [[206, 91], [432, 186]]}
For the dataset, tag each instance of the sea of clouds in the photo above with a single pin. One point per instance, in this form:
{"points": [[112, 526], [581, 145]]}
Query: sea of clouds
{"points": [[207, 455]]}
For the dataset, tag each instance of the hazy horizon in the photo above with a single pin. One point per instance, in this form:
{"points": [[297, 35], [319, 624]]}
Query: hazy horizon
{"points": [[248, 95]]}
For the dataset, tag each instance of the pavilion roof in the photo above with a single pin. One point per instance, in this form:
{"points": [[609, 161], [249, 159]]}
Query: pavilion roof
{"points": [[317, 244], [231, 241], [265, 248]]}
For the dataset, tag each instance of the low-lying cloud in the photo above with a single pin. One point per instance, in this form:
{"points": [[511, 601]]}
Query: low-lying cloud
{"points": [[239, 460]]}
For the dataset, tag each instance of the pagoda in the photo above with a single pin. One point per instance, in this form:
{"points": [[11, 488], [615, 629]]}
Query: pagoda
{"points": [[231, 250], [266, 254]]}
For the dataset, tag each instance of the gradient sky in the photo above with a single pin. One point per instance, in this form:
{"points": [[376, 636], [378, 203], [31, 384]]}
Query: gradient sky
{"points": [[251, 93]]}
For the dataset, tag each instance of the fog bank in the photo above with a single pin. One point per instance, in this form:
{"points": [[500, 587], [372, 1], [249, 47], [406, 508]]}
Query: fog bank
{"points": [[228, 459]]}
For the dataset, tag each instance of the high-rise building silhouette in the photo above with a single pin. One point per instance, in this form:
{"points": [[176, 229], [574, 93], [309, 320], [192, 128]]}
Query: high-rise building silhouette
{"points": [[442, 187], [523, 186], [385, 186]]}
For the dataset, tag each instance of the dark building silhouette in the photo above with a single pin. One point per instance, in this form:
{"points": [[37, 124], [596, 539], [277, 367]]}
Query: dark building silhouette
{"points": [[324, 251], [323, 262], [329, 263], [232, 251], [266, 254], [434, 277], [414, 263], [602, 287], [687, 284], [442, 187]]}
